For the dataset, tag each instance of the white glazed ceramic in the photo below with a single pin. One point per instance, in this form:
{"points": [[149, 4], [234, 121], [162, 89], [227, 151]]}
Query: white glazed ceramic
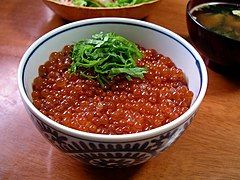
{"points": [[113, 150]]}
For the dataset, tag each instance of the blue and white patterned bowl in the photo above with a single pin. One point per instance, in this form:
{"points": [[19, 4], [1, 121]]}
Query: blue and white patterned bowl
{"points": [[113, 150]]}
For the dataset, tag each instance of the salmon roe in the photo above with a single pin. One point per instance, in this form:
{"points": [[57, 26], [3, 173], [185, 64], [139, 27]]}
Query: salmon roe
{"points": [[123, 107]]}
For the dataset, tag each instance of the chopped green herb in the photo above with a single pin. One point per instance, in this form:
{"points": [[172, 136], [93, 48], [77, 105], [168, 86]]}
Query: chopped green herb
{"points": [[105, 56]]}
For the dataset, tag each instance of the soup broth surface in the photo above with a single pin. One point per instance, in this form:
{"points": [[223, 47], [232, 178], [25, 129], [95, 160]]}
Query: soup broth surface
{"points": [[222, 18]]}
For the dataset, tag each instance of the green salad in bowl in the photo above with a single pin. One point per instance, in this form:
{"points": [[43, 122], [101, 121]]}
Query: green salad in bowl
{"points": [[74, 10], [102, 3]]}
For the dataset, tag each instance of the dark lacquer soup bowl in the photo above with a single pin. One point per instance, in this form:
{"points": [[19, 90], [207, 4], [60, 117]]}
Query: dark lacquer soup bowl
{"points": [[221, 53], [113, 150]]}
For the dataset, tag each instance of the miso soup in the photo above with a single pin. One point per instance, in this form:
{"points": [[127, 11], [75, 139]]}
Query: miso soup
{"points": [[222, 18]]}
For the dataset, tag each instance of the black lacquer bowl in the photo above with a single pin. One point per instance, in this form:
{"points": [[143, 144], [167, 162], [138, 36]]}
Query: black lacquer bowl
{"points": [[220, 53]]}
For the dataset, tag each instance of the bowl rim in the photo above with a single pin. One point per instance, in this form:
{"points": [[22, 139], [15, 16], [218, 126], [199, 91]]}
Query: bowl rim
{"points": [[102, 8], [114, 138], [189, 13]]}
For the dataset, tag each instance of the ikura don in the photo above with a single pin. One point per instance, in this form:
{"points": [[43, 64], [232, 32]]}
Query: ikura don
{"points": [[109, 85]]}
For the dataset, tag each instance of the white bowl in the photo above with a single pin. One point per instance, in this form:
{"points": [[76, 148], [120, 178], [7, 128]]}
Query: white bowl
{"points": [[113, 150]]}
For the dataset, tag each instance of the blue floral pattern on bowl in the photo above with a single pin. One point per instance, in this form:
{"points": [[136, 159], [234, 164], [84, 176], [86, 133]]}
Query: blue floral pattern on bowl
{"points": [[106, 154]]}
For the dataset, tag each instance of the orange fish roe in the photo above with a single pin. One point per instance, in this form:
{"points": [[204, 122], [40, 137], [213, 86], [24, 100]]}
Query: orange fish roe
{"points": [[123, 107]]}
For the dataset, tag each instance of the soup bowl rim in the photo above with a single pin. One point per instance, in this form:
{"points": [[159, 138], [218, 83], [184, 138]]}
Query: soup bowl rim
{"points": [[189, 13]]}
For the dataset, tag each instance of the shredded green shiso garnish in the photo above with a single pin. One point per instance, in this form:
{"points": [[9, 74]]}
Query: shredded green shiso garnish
{"points": [[106, 56]]}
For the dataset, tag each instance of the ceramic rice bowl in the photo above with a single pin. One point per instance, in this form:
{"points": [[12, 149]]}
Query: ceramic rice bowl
{"points": [[113, 150]]}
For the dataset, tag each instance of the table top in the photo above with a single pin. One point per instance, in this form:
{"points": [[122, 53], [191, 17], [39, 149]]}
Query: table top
{"points": [[209, 148]]}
